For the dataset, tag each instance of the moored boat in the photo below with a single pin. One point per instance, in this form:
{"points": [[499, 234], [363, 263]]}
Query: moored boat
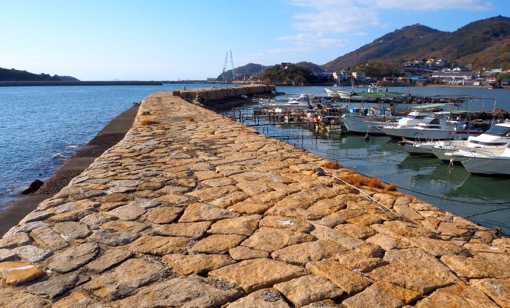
{"points": [[484, 161], [494, 139], [436, 126]]}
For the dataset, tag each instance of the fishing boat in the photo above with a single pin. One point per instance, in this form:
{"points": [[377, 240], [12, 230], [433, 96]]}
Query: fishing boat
{"points": [[436, 126], [415, 148], [484, 161], [358, 122], [299, 101], [333, 94], [364, 121], [494, 139]]}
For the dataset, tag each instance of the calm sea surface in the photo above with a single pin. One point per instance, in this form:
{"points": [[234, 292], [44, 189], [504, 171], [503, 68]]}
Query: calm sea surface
{"points": [[42, 127]]}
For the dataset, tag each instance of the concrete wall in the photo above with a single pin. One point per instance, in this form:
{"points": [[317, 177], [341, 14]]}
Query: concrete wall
{"points": [[214, 94]]}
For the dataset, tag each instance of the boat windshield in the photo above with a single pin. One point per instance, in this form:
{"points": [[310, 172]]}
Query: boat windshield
{"points": [[498, 130]]}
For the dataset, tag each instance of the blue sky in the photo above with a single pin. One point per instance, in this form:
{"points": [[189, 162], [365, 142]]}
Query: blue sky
{"points": [[189, 39]]}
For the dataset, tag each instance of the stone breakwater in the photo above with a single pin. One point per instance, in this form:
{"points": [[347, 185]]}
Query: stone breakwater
{"points": [[193, 209]]}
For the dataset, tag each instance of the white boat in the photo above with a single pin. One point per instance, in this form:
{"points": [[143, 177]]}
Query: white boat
{"points": [[301, 101], [414, 148], [436, 126], [331, 93], [358, 123], [361, 123], [496, 138], [484, 161]]}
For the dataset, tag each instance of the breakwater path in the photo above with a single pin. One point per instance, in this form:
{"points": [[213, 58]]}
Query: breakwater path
{"points": [[193, 209]]}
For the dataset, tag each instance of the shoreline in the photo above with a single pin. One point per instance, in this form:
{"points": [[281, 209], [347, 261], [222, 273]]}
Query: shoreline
{"points": [[110, 135]]}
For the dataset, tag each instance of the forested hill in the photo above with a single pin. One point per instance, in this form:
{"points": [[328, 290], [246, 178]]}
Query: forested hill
{"points": [[483, 43], [17, 75]]}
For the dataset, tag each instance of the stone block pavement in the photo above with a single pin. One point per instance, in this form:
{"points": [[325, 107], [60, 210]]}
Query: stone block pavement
{"points": [[192, 209]]}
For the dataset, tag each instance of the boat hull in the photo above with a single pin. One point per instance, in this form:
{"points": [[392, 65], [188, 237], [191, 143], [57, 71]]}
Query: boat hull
{"points": [[360, 125], [487, 165]]}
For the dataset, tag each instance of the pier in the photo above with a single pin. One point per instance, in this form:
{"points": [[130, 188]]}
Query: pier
{"points": [[193, 209]]}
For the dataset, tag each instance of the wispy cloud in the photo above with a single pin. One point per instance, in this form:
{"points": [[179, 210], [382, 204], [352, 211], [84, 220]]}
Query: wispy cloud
{"points": [[430, 5]]}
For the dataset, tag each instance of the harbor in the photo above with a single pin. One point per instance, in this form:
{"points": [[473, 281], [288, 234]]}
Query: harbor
{"points": [[194, 209], [446, 185]]}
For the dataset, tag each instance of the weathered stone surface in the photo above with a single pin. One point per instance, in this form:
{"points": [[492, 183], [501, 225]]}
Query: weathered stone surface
{"points": [[384, 241], [382, 294], [497, 289], [55, 285], [357, 231], [344, 278], [35, 216], [301, 214], [26, 227], [475, 267], [358, 262], [308, 289], [240, 253], [205, 212], [128, 212], [340, 217], [14, 240], [32, 253], [281, 222], [437, 248], [270, 239], [300, 254], [78, 299], [113, 238], [192, 229], [407, 212], [16, 273], [10, 297], [124, 226], [328, 206], [197, 263], [73, 257], [250, 207], [72, 229], [257, 274], [48, 238], [159, 245], [217, 243], [163, 215], [244, 225], [7, 255], [126, 278], [262, 298], [422, 278], [110, 258], [400, 229], [344, 240], [457, 295], [191, 291]]}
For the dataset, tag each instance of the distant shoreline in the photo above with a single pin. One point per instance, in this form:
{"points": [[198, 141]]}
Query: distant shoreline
{"points": [[78, 83]]}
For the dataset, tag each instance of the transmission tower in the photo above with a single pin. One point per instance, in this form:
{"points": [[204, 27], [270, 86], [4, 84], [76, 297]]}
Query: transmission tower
{"points": [[225, 67]]}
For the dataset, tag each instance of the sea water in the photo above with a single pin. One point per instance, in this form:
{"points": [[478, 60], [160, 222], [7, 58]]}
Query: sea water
{"points": [[42, 127]]}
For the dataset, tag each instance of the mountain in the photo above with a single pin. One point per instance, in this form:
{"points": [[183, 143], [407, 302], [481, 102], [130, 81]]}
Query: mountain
{"points": [[483, 43], [17, 75]]}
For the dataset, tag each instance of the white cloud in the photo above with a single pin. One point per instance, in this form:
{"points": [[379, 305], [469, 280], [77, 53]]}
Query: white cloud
{"points": [[430, 5]]}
